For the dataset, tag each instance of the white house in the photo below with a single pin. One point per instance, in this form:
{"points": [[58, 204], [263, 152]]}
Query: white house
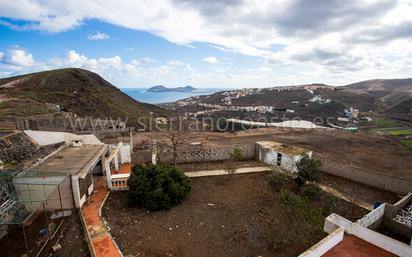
{"points": [[282, 155], [80, 157]]}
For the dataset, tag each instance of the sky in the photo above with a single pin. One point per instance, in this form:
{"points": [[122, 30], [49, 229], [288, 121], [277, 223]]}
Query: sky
{"points": [[214, 43]]}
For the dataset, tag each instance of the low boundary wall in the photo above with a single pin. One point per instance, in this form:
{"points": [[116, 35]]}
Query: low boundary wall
{"points": [[398, 185], [204, 154]]}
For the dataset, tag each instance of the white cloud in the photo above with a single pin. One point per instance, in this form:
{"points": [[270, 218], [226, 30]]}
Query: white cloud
{"points": [[16, 60], [264, 69], [19, 57], [98, 36], [334, 39], [176, 63], [211, 59]]}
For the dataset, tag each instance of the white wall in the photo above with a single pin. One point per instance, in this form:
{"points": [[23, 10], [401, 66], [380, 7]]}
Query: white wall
{"points": [[373, 216], [389, 244], [382, 241], [271, 157], [76, 191], [325, 244], [125, 154], [32, 189], [49, 137]]}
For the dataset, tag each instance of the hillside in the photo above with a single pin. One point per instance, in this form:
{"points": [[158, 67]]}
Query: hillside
{"points": [[389, 93], [76, 90], [389, 98]]}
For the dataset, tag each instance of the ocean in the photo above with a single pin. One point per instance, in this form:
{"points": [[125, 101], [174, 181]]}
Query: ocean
{"points": [[141, 95]]}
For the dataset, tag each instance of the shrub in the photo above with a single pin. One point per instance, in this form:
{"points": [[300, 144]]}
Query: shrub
{"points": [[308, 170], [157, 187], [277, 180], [237, 155], [230, 168], [289, 198], [311, 191]]}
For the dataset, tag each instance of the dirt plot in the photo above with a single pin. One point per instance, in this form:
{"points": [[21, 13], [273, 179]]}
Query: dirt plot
{"points": [[376, 152], [369, 151], [72, 238], [234, 215], [357, 192]]}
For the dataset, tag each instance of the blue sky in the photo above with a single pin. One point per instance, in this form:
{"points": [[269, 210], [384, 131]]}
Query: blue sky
{"points": [[233, 43]]}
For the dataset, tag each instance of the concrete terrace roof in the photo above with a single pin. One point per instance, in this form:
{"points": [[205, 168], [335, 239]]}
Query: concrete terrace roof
{"points": [[73, 160], [353, 246], [283, 148]]}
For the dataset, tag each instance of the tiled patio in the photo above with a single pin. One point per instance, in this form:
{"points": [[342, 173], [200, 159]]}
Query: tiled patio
{"points": [[101, 241], [352, 246]]}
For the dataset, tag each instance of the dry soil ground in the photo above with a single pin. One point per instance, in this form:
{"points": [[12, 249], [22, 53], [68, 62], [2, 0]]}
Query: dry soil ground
{"points": [[234, 215], [377, 152], [72, 239]]}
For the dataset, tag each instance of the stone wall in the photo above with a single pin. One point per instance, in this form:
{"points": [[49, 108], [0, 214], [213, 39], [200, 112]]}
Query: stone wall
{"points": [[398, 185], [16, 148], [204, 154]]}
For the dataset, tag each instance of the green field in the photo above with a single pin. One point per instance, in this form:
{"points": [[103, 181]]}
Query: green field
{"points": [[401, 133], [408, 143], [385, 123]]}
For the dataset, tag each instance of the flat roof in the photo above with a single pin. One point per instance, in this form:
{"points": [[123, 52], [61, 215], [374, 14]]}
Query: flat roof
{"points": [[73, 160], [283, 148], [354, 246]]}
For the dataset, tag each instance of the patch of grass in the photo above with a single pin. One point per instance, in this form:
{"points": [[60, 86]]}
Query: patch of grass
{"points": [[408, 143], [401, 133], [386, 123]]}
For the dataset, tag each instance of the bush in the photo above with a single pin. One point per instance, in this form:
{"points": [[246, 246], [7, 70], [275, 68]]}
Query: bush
{"points": [[230, 168], [311, 191], [157, 187], [277, 180], [237, 155], [308, 170], [289, 198]]}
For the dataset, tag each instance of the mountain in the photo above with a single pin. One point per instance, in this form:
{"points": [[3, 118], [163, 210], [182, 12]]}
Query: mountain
{"points": [[162, 89], [76, 90]]}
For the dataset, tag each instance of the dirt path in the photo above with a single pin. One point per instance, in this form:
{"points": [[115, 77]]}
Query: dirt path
{"points": [[206, 173]]}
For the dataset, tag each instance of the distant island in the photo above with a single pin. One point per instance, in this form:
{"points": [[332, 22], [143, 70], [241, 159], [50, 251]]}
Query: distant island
{"points": [[162, 89]]}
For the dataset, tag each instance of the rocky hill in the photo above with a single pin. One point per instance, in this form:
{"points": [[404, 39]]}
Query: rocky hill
{"points": [[75, 90]]}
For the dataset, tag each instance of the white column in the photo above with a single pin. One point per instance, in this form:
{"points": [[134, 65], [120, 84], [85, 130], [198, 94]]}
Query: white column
{"points": [[108, 175], [116, 161]]}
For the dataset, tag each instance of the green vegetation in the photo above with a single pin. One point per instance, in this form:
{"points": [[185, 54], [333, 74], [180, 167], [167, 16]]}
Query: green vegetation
{"points": [[301, 216], [408, 143], [277, 180], [401, 133], [237, 155], [157, 187], [311, 191], [385, 123], [308, 170]]}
